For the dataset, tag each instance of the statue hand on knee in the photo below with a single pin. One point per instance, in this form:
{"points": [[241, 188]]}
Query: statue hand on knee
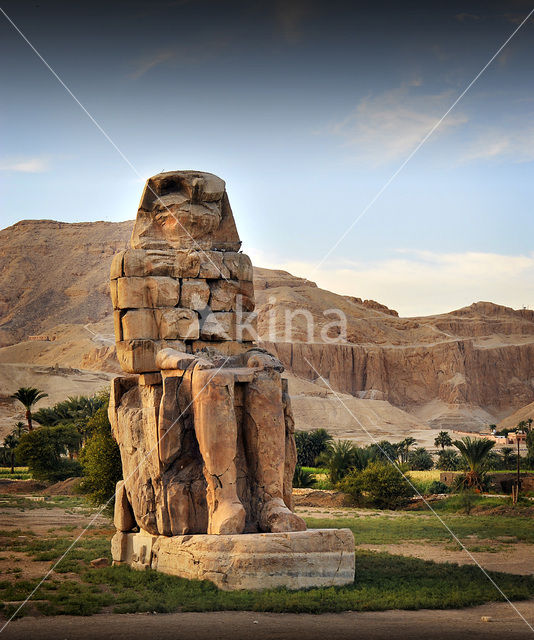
{"points": [[259, 360]]}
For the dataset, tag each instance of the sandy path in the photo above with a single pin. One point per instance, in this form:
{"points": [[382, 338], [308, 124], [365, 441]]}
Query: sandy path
{"points": [[42, 519], [230, 625]]}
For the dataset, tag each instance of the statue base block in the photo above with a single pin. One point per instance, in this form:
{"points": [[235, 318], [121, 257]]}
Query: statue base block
{"points": [[295, 560]]}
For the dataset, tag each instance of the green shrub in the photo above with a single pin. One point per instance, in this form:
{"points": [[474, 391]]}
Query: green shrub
{"points": [[101, 460], [381, 484], [468, 499], [43, 451], [420, 460], [438, 487], [302, 478]]}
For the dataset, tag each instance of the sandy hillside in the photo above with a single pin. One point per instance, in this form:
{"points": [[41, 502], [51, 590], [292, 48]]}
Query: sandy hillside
{"points": [[464, 369], [524, 413]]}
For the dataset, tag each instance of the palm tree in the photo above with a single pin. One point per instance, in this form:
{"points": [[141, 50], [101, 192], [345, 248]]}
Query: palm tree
{"points": [[302, 479], [320, 438], [362, 457], [474, 452], [443, 439], [404, 448], [19, 429], [338, 459], [448, 460], [507, 454], [10, 442], [28, 396]]}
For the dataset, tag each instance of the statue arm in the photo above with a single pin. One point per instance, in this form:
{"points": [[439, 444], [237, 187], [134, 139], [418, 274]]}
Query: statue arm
{"points": [[260, 359], [173, 359]]}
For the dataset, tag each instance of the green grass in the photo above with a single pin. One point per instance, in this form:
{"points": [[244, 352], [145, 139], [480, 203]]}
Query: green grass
{"points": [[390, 529], [20, 473], [315, 470], [383, 581], [70, 503]]}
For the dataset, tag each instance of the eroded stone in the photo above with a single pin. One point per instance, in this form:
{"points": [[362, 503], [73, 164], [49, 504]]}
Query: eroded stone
{"points": [[195, 294], [295, 560], [177, 323]]}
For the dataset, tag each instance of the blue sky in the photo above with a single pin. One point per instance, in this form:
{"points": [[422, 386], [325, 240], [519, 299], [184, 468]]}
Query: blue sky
{"points": [[306, 109]]}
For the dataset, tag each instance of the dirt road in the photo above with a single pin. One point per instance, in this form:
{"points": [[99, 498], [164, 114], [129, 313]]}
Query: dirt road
{"points": [[409, 625]]}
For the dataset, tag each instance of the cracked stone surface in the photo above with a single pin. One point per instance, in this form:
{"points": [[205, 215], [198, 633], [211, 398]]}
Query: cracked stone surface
{"points": [[204, 424], [295, 560]]}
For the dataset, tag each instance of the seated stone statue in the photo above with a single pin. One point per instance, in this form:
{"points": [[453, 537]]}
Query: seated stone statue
{"points": [[204, 421]]}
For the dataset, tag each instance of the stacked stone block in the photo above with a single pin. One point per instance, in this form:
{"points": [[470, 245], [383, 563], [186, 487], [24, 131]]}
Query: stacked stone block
{"points": [[186, 300]]}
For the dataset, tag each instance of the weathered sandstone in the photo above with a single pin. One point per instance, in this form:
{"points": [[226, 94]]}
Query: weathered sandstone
{"points": [[296, 560]]}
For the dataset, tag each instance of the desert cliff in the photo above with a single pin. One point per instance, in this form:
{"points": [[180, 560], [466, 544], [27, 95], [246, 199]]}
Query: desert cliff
{"points": [[467, 368]]}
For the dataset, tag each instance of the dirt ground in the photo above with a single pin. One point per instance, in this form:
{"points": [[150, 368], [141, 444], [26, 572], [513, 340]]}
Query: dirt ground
{"points": [[505, 623], [44, 520]]}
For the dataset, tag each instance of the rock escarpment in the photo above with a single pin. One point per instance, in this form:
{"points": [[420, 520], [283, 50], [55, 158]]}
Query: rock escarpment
{"points": [[479, 358]]}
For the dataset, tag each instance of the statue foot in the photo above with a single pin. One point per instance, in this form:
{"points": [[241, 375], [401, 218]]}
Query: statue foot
{"points": [[276, 518], [227, 519]]}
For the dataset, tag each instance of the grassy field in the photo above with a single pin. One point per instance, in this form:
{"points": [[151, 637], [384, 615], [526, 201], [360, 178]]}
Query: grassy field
{"points": [[20, 473], [383, 581], [426, 527]]}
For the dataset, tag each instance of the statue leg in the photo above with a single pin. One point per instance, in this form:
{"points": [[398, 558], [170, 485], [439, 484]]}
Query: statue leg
{"points": [[265, 433], [216, 431]]}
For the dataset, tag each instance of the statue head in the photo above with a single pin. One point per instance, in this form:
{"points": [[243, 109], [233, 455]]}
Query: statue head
{"points": [[185, 210]]}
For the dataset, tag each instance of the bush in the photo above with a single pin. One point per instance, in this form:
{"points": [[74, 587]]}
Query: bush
{"points": [[101, 460], [420, 460], [302, 478], [438, 487], [43, 451], [382, 484]]}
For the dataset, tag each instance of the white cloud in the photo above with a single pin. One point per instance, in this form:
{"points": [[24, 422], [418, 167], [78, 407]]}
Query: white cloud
{"points": [[388, 126], [26, 165], [423, 282], [514, 143]]}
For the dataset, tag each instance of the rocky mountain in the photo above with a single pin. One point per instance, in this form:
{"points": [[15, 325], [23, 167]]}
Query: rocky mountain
{"points": [[521, 415], [467, 368], [54, 273]]}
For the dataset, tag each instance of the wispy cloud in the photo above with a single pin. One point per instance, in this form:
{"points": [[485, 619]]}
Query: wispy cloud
{"points": [[424, 282], [467, 17], [387, 126], [149, 62], [513, 143], [26, 165], [204, 48]]}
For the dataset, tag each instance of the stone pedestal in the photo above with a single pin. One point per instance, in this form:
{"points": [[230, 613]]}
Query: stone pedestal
{"points": [[295, 560]]}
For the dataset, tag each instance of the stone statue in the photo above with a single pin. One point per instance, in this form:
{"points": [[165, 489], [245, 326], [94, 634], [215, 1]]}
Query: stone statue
{"points": [[204, 421]]}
